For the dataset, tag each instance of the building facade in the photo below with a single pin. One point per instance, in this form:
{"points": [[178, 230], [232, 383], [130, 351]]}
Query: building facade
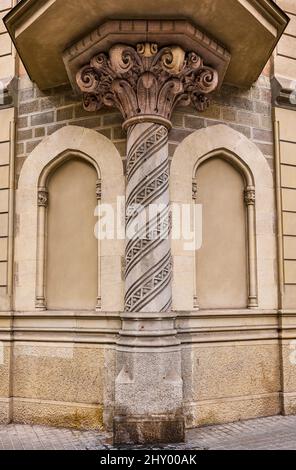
{"points": [[124, 105]]}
